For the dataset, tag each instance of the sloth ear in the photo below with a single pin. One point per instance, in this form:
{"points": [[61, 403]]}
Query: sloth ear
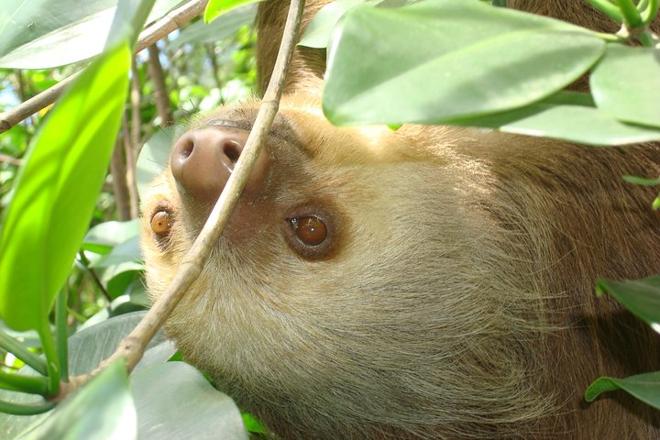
{"points": [[307, 66]]}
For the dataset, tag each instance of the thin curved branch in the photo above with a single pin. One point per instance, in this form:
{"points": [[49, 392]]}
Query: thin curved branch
{"points": [[132, 347]]}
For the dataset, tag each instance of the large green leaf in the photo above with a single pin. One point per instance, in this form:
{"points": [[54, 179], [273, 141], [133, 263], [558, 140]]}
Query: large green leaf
{"points": [[101, 410], [645, 387], [641, 297], [88, 347], [626, 84], [45, 33], [216, 8], [187, 407], [568, 116], [57, 190], [468, 59]]}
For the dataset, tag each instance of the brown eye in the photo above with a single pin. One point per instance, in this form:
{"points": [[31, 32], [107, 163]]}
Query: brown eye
{"points": [[310, 230], [161, 222]]}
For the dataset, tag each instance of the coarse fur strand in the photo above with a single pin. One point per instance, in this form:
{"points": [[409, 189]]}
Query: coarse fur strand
{"points": [[460, 305]]}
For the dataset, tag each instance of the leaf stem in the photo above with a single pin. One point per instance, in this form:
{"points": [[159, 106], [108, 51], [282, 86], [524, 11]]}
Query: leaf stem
{"points": [[607, 8], [650, 12], [14, 347], [25, 410], [62, 333], [25, 384], [630, 14], [52, 360]]}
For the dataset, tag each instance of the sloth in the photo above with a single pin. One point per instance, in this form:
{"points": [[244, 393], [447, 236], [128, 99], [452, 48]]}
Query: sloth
{"points": [[432, 282]]}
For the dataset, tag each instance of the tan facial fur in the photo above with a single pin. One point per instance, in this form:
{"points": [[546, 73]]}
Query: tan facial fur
{"points": [[456, 299]]}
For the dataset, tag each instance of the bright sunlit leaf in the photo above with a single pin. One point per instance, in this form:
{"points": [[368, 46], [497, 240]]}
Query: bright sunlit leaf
{"points": [[215, 8], [57, 190]]}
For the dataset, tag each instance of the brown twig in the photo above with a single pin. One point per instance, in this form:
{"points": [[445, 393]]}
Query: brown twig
{"points": [[170, 22], [119, 187], [160, 89], [132, 347], [11, 160]]}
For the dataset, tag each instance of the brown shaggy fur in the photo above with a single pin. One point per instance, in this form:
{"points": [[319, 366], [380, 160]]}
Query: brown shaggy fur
{"points": [[459, 304]]}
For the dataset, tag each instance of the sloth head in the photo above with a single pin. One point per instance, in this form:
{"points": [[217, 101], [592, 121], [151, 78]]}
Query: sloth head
{"points": [[356, 287]]}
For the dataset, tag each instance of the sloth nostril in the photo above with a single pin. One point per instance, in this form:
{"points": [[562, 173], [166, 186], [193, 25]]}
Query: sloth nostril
{"points": [[232, 150], [186, 149]]}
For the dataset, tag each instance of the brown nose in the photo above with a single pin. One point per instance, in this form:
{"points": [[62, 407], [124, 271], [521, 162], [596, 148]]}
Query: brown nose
{"points": [[203, 159]]}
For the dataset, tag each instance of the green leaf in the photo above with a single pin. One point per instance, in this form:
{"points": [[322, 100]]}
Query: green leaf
{"points": [[88, 347], [216, 8], [43, 34], [645, 387], [644, 181], [103, 409], [200, 32], [57, 190], [153, 159], [641, 297], [568, 116], [626, 84], [188, 407], [318, 31], [128, 251], [104, 236], [474, 60]]}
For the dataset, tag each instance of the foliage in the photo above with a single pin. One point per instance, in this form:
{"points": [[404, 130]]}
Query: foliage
{"points": [[60, 238]]}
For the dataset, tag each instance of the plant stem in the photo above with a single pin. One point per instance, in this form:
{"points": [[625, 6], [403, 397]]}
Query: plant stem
{"points": [[607, 8], [21, 352], [25, 410], [62, 334], [25, 384], [85, 263], [630, 14], [52, 360], [650, 12]]}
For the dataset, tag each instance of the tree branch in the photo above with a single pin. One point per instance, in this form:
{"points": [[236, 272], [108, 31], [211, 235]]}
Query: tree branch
{"points": [[170, 22], [132, 347], [160, 89]]}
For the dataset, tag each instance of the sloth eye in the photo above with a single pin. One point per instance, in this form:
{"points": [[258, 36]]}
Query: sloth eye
{"points": [[310, 230], [161, 222]]}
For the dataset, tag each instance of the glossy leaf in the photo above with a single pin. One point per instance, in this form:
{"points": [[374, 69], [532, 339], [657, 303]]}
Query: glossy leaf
{"points": [[216, 31], [216, 8], [626, 84], [88, 347], [105, 236], [474, 60], [57, 191], [44, 33], [188, 407], [318, 32], [641, 297], [568, 116], [645, 387], [101, 410]]}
